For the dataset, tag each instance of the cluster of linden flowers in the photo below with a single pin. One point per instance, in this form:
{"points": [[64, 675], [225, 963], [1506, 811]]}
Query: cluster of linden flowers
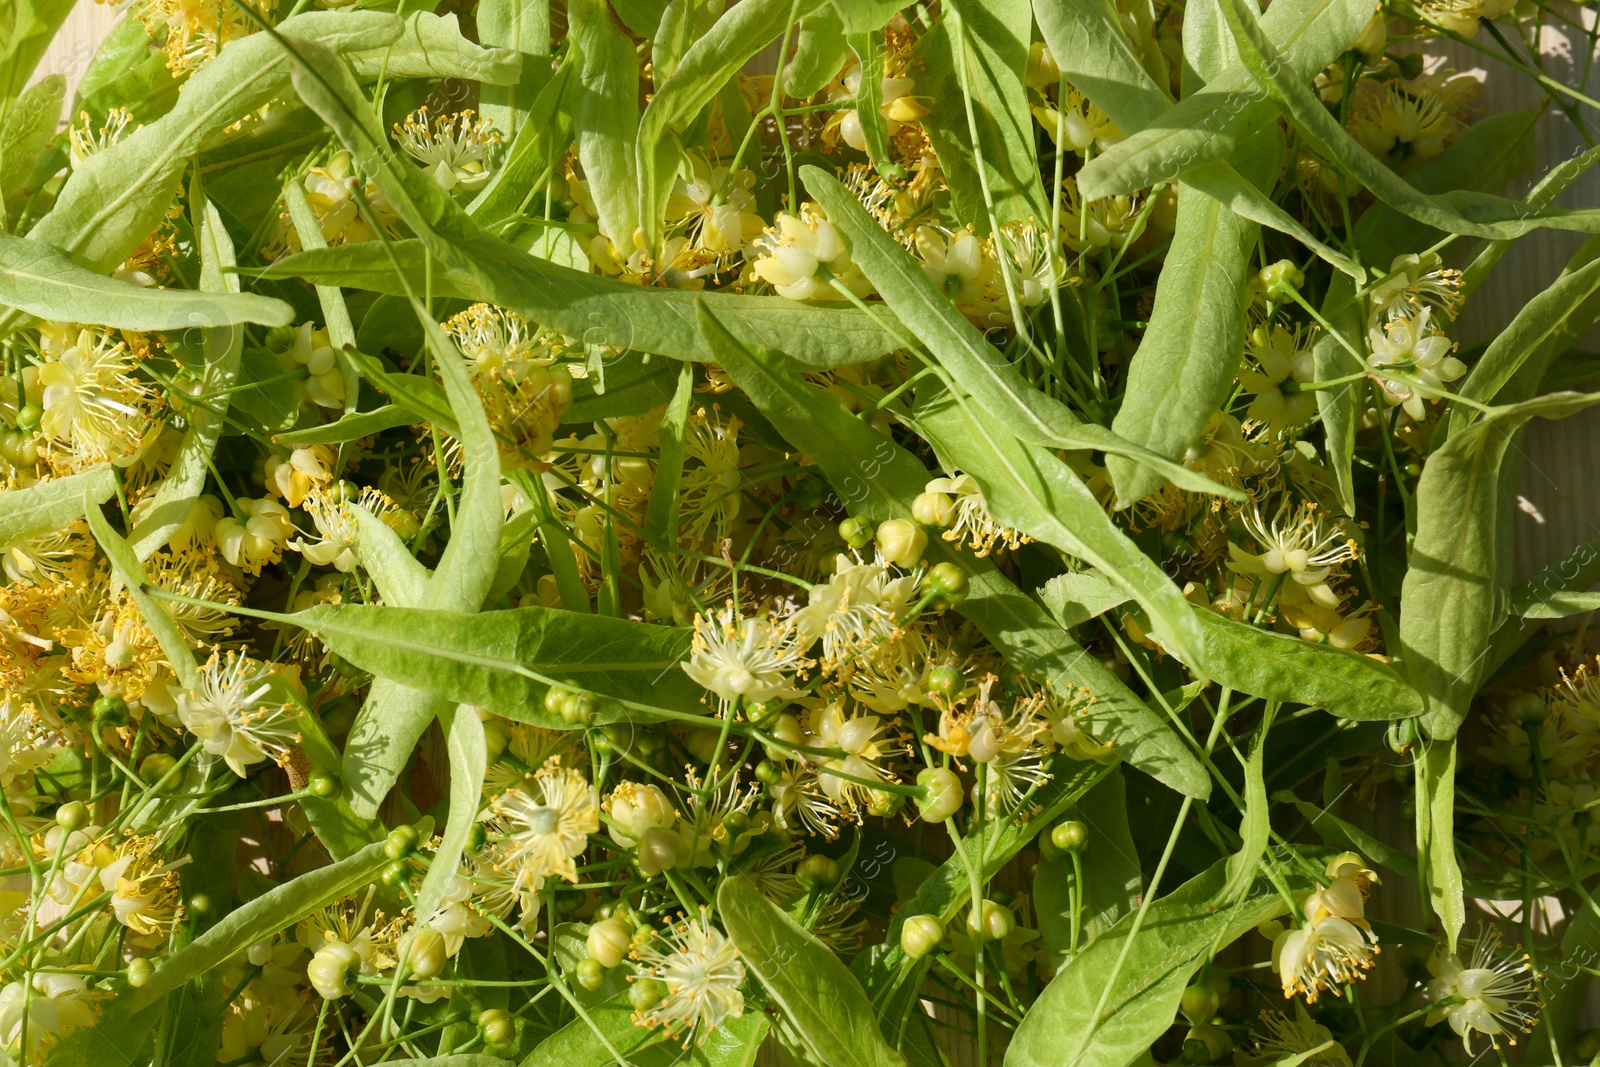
{"points": [[538, 611]]}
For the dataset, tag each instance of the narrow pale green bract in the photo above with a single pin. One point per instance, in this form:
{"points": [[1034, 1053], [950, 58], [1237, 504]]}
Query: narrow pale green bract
{"points": [[26, 129], [1288, 668], [1078, 596], [1178, 934], [877, 479], [710, 62], [1096, 57], [505, 660], [1029, 488], [1183, 371], [37, 279], [1213, 122], [974, 366], [277, 909], [51, 505], [989, 159], [1449, 602], [602, 120], [469, 760], [816, 993], [1255, 827], [1479, 214], [220, 346], [1436, 841], [599, 310], [129, 571]]}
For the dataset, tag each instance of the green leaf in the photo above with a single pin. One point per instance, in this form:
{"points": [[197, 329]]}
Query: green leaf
{"points": [[973, 364], [975, 57], [820, 53], [1460, 211], [261, 392], [608, 1034], [1448, 601], [351, 427], [1345, 835], [127, 72], [1076, 597], [115, 198], [1290, 669], [51, 505], [596, 309], [1179, 933], [1029, 489], [1255, 827], [37, 279], [279, 908], [714, 58], [129, 571], [521, 26], [817, 995], [382, 738], [1511, 368], [220, 345], [1097, 58], [431, 46], [1212, 123], [868, 49], [537, 148], [26, 29], [28, 127], [505, 660], [1183, 371], [1436, 842], [1111, 878], [877, 479], [604, 120], [469, 759]]}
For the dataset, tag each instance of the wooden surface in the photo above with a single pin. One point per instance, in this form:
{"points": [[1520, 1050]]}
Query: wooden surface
{"points": [[1560, 461]]}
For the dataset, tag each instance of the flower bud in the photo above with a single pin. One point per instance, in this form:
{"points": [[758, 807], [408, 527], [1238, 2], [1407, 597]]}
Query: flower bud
{"points": [[139, 971], [901, 541], [857, 533], [1527, 709], [994, 922], [647, 993], [637, 808], [333, 969], [425, 952], [1200, 1003], [1374, 39], [110, 711], [1206, 1044], [72, 816], [1042, 68], [608, 941], [497, 1027], [401, 842], [324, 785], [591, 975], [920, 935], [818, 873], [1282, 279], [941, 794], [659, 850], [1070, 836], [933, 509], [945, 680], [946, 581], [1401, 736], [156, 766]]}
